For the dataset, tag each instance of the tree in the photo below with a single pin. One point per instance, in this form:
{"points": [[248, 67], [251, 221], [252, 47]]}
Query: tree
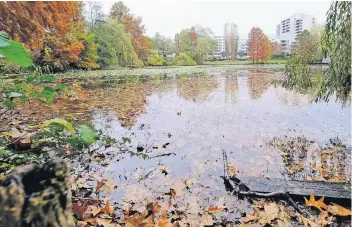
{"points": [[94, 14], [205, 47], [184, 42], [88, 57], [163, 45], [114, 45], [194, 37], [133, 26], [258, 45], [46, 29], [336, 43], [231, 40]]}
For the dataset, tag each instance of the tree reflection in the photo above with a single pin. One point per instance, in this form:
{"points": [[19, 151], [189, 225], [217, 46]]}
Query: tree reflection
{"points": [[258, 83], [231, 88], [305, 159], [196, 88]]}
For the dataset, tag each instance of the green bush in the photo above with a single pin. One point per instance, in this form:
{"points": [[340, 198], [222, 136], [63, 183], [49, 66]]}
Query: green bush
{"points": [[184, 59], [156, 60]]}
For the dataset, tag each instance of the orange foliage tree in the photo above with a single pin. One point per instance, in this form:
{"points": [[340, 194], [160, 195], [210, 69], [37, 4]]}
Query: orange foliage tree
{"points": [[47, 29], [134, 27], [258, 45]]}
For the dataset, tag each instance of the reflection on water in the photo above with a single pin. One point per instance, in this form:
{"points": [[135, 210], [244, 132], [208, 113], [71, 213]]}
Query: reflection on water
{"points": [[198, 117]]}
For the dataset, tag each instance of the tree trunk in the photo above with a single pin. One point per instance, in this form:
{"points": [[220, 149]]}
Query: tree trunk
{"points": [[35, 195]]}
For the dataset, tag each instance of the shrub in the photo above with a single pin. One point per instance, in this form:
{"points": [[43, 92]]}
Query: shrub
{"points": [[156, 60], [184, 59]]}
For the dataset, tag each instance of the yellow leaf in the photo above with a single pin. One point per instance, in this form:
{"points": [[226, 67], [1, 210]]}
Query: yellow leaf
{"points": [[338, 210], [316, 203]]}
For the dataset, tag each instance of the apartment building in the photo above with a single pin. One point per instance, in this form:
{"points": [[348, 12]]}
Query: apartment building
{"points": [[220, 51], [290, 27], [242, 48]]}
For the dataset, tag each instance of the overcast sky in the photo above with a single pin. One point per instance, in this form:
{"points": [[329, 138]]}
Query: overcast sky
{"points": [[170, 17]]}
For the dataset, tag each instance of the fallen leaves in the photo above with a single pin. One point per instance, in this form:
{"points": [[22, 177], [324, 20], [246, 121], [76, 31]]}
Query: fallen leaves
{"points": [[106, 185], [338, 210], [316, 203]]}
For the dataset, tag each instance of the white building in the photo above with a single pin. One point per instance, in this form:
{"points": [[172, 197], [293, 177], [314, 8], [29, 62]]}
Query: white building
{"points": [[242, 48], [220, 51], [289, 28]]}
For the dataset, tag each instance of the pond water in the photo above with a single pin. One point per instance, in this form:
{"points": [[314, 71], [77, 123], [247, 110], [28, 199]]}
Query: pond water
{"points": [[184, 124]]}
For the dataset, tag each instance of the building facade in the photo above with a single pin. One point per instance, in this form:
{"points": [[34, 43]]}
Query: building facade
{"points": [[289, 28], [242, 48], [220, 51]]}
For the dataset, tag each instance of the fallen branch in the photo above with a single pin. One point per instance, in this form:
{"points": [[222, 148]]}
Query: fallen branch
{"points": [[236, 187]]}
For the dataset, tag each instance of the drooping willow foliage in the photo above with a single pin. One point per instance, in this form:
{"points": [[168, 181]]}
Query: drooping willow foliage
{"points": [[336, 43]]}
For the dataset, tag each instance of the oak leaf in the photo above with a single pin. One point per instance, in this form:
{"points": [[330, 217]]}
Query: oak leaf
{"points": [[107, 185], [316, 203]]}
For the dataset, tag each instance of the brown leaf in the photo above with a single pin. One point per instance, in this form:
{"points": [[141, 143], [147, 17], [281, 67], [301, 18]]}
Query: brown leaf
{"points": [[79, 209], [135, 220], [338, 210], [316, 203], [107, 209], [94, 210], [107, 185], [103, 222], [214, 209]]}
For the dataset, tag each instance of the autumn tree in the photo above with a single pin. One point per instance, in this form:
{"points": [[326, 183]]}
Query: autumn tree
{"points": [[258, 45], [46, 29], [133, 26]]}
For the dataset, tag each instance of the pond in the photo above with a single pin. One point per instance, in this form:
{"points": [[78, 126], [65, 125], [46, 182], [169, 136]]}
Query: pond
{"points": [[182, 125]]}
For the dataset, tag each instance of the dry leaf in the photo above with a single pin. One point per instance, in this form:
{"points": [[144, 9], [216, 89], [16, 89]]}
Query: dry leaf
{"points": [[81, 223], [135, 220], [107, 185], [271, 211], [163, 220], [94, 210], [103, 222], [214, 209], [107, 209], [207, 219], [338, 210], [316, 203]]}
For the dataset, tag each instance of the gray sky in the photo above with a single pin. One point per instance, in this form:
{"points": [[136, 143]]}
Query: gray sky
{"points": [[170, 17]]}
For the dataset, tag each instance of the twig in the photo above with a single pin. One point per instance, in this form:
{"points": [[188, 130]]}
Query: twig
{"points": [[161, 155], [4, 112]]}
